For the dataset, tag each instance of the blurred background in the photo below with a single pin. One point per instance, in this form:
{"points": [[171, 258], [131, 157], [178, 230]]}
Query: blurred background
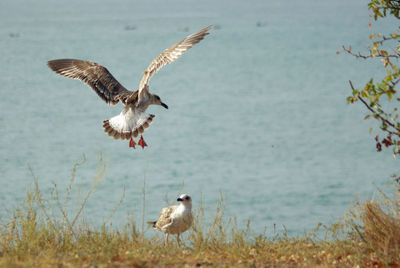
{"points": [[257, 110]]}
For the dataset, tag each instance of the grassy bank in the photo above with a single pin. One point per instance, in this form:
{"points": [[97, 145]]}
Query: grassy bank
{"points": [[369, 236]]}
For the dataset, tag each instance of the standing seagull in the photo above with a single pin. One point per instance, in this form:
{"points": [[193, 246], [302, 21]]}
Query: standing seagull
{"points": [[175, 219], [133, 119]]}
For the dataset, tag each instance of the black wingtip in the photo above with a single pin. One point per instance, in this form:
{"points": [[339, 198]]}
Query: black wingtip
{"points": [[152, 223]]}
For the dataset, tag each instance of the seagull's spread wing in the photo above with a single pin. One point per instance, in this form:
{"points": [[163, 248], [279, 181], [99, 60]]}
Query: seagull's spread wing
{"points": [[93, 74], [169, 55]]}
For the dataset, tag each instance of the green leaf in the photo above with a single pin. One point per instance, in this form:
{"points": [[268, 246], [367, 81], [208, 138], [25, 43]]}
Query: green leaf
{"points": [[364, 94], [375, 49], [390, 95], [383, 53]]}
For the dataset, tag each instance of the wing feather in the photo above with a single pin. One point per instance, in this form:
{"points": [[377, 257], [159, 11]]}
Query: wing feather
{"points": [[171, 54], [94, 75], [165, 217]]}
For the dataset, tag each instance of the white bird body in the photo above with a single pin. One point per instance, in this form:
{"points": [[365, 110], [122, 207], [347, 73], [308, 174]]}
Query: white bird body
{"points": [[181, 220], [175, 219], [129, 118]]}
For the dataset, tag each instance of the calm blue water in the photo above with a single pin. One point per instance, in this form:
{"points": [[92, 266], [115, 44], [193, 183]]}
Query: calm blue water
{"points": [[257, 113]]}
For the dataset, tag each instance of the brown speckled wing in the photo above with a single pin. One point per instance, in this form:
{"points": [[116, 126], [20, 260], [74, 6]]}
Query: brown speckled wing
{"points": [[165, 217], [171, 54], [94, 75]]}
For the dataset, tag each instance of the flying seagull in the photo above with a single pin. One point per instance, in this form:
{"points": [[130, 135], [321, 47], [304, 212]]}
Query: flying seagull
{"points": [[133, 119], [175, 219]]}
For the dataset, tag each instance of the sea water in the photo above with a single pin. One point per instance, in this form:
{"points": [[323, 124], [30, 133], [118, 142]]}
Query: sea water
{"points": [[257, 110]]}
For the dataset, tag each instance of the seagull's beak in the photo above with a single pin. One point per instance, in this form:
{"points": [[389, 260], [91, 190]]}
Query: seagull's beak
{"points": [[179, 199], [164, 105]]}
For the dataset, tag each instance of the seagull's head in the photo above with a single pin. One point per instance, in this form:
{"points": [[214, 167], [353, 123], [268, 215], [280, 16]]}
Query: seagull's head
{"points": [[157, 100], [184, 199]]}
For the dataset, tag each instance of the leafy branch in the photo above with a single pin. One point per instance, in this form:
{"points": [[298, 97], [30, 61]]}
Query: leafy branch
{"points": [[371, 95], [390, 128], [380, 8]]}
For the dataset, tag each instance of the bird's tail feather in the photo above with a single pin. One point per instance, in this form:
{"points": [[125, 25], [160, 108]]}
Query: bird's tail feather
{"points": [[124, 127], [152, 223]]}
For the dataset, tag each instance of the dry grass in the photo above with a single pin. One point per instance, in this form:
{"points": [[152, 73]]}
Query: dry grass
{"points": [[377, 225], [36, 236]]}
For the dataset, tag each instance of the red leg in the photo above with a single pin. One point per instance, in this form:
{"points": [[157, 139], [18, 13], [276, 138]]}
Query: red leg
{"points": [[132, 143], [141, 142]]}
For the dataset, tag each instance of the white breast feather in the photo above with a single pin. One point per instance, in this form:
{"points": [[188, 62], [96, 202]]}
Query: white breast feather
{"points": [[128, 120], [181, 221]]}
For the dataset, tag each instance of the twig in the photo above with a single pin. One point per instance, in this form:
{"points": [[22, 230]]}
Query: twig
{"points": [[384, 39], [116, 206], [39, 199], [144, 203], [391, 5], [375, 113], [395, 82], [76, 165], [377, 55], [100, 170], [63, 211]]}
